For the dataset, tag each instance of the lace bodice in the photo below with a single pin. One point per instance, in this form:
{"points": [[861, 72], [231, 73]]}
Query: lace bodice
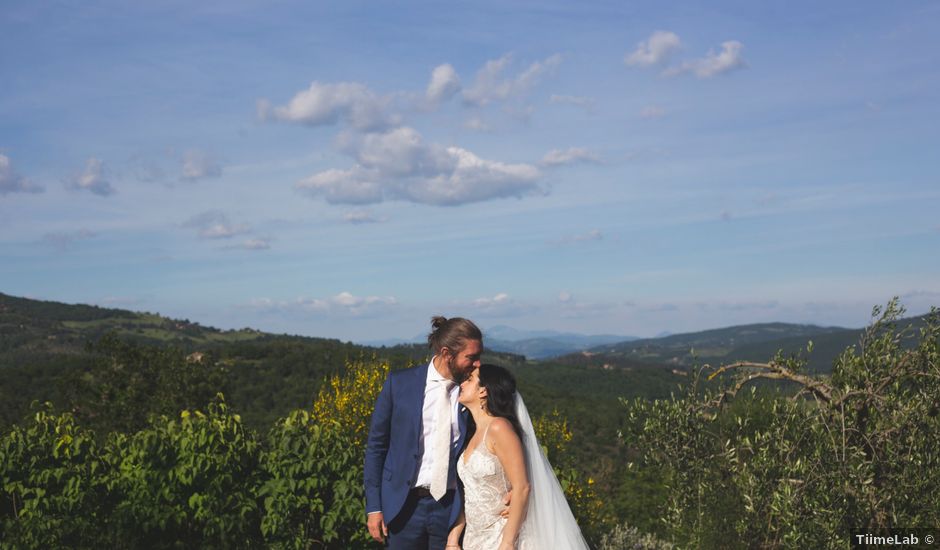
{"points": [[485, 486]]}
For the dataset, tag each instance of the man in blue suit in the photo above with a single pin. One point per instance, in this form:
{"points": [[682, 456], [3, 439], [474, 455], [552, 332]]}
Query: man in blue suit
{"points": [[413, 497]]}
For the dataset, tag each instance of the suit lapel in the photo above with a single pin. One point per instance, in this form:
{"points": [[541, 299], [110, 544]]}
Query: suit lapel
{"points": [[416, 396]]}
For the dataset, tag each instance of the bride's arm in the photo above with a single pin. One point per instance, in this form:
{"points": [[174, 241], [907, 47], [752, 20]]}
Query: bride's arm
{"points": [[453, 538], [508, 449]]}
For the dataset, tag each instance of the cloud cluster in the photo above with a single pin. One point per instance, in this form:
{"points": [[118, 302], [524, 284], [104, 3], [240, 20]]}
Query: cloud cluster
{"points": [[592, 235], [360, 217], [400, 165], [94, 179], [659, 48], [255, 243], [197, 164], [492, 84], [327, 104], [11, 182], [656, 50], [392, 161], [558, 157], [444, 84], [342, 304], [499, 305], [713, 64], [214, 224]]}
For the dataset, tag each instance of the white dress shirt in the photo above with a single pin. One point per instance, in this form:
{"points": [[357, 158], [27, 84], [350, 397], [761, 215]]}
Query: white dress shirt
{"points": [[432, 395]]}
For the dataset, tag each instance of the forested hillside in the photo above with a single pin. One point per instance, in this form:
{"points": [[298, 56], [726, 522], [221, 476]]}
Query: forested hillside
{"points": [[755, 342], [175, 433]]}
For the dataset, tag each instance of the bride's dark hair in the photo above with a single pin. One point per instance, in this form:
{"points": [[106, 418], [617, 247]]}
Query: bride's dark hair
{"points": [[500, 387]]}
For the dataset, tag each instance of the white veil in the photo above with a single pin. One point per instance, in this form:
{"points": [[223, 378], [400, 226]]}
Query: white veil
{"points": [[549, 522]]}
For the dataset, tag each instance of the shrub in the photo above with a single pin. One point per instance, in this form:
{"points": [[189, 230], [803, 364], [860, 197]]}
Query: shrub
{"points": [[857, 450]]}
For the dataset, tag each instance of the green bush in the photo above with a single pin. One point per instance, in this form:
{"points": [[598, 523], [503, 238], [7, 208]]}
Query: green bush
{"points": [[186, 483], [52, 484], [625, 537], [802, 468], [312, 492]]}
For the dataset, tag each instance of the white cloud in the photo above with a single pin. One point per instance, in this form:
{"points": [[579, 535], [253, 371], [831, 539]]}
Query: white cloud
{"points": [[354, 186], [477, 124], [62, 241], [499, 305], [655, 51], [198, 165], [359, 217], [713, 64], [326, 104], [652, 112], [491, 84], [499, 299], [444, 84], [400, 152], [93, 178], [399, 165], [257, 243], [343, 304], [474, 180], [585, 102], [214, 224], [557, 157], [593, 235], [11, 182]]}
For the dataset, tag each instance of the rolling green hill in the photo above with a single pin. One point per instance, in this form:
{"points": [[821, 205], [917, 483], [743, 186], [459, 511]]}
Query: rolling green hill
{"points": [[757, 342], [46, 348]]}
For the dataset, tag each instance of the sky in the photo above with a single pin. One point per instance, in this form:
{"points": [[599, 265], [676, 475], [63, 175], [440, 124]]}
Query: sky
{"points": [[349, 169]]}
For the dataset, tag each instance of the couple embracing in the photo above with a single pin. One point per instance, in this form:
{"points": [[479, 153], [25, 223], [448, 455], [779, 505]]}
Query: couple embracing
{"points": [[452, 460]]}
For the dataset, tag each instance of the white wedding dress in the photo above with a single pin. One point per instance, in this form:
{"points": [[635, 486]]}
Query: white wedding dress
{"points": [[484, 487], [549, 523]]}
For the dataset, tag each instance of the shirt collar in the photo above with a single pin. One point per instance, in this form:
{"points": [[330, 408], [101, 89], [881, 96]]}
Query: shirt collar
{"points": [[433, 375]]}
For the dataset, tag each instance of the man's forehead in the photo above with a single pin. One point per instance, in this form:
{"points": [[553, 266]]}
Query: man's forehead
{"points": [[472, 346]]}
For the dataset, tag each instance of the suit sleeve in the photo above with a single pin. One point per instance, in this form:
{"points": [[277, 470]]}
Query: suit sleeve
{"points": [[377, 447]]}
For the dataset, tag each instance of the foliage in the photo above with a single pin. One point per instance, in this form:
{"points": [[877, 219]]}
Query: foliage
{"points": [[129, 382], [859, 450], [200, 481], [580, 491], [626, 537], [347, 400], [50, 473], [312, 494], [186, 483]]}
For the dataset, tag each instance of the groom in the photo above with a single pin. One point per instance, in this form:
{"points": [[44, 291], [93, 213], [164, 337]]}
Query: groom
{"points": [[412, 494]]}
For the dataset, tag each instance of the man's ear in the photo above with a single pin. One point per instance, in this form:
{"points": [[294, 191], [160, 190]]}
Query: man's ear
{"points": [[445, 351]]}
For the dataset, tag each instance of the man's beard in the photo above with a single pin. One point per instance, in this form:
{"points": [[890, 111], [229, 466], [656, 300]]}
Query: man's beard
{"points": [[456, 374]]}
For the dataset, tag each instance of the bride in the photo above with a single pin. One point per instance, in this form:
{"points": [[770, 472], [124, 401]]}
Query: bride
{"points": [[502, 456]]}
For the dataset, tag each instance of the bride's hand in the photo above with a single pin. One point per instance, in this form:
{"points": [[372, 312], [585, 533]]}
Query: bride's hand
{"points": [[505, 512]]}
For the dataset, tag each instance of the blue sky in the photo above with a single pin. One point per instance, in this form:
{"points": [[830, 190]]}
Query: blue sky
{"points": [[348, 169]]}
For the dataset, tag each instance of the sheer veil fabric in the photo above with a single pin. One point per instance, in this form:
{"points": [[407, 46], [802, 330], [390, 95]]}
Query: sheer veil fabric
{"points": [[549, 522]]}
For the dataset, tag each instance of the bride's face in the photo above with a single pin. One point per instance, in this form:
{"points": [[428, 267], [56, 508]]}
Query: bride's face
{"points": [[470, 390]]}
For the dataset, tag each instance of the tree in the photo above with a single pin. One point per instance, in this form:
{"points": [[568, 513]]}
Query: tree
{"points": [[803, 466]]}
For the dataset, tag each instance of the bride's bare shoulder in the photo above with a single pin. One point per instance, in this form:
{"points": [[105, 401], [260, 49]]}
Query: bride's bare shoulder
{"points": [[501, 431]]}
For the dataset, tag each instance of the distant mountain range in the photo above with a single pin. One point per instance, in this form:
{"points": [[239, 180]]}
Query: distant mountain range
{"points": [[755, 342], [35, 325], [534, 344]]}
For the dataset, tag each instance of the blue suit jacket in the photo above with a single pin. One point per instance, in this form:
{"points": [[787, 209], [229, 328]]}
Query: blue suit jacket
{"points": [[392, 449]]}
